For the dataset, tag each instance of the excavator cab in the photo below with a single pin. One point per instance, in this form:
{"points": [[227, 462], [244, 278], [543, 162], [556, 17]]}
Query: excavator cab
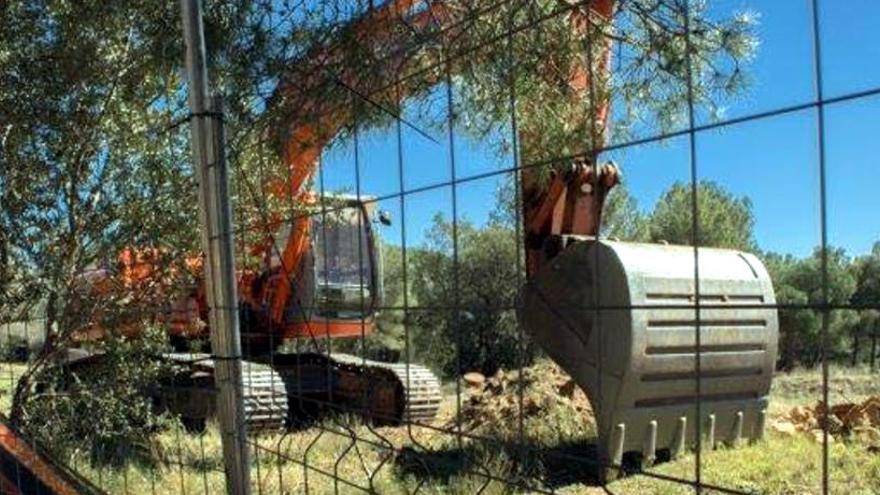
{"points": [[337, 285], [346, 275]]}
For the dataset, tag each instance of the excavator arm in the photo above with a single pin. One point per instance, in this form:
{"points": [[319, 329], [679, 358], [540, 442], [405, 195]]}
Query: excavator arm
{"points": [[309, 125], [623, 319], [570, 204]]}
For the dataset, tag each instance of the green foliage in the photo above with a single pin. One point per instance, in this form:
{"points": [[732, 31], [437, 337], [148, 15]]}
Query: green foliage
{"points": [[621, 218], [866, 323], [86, 164], [866, 269], [465, 319], [650, 83], [103, 408], [388, 339], [512, 56], [724, 219], [800, 283]]}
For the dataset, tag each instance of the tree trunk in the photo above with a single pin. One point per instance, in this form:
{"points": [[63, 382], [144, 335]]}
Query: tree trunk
{"points": [[23, 387], [855, 349], [51, 317], [873, 350], [4, 268]]}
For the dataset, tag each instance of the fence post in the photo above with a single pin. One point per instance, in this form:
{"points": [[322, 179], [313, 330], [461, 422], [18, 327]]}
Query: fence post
{"points": [[208, 147]]}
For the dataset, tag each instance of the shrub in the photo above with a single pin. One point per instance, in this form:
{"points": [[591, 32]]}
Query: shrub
{"points": [[102, 406]]}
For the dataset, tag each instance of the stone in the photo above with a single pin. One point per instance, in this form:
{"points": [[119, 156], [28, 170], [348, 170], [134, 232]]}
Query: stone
{"points": [[474, 379], [784, 427]]}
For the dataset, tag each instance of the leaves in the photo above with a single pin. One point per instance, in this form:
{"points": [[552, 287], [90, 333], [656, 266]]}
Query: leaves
{"points": [[621, 218], [465, 320], [103, 408], [724, 220], [799, 286]]}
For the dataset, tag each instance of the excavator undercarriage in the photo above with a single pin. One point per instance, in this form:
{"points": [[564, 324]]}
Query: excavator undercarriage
{"points": [[332, 291], [284, 390]]}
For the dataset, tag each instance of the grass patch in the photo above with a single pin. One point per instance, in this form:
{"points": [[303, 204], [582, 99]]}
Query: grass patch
{"points": [[804, 386], [9, 374], [344, 455]]}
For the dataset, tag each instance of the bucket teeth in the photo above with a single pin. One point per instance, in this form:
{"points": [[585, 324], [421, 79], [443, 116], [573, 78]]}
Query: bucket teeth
{"points": [[678, 444], [649, 452], [710, 433]]}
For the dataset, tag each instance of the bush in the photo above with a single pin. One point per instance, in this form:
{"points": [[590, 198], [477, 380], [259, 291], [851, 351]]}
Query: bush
{"points": [[465, 320], [103, 407]]}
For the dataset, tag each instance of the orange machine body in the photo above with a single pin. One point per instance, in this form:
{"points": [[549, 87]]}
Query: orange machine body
{"points": [[570, 204], [277, 299], [320, 275], [317, 303]]}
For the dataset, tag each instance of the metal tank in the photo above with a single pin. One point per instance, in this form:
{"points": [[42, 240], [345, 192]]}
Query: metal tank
{"points": [[621, 319]]}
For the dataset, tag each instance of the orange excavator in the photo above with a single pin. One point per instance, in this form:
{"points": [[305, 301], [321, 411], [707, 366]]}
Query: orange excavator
{"points": [[320, 273], [667, 359]]}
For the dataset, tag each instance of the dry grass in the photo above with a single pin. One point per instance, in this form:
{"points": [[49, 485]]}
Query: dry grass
{"points": [[343, 455]]}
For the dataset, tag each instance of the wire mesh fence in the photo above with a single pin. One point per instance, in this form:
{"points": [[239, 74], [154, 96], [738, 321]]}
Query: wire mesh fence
{"points": [[445, 283]]}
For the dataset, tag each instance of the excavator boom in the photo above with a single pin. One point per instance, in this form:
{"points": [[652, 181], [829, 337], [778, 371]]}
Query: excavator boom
{"points": [[570, 205]]}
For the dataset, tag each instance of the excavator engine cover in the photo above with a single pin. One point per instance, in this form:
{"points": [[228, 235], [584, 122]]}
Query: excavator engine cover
{"points": [[622, 320]]}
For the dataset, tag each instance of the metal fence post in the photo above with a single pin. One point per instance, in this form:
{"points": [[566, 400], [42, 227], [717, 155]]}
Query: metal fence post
{"points": [[208, 146]]}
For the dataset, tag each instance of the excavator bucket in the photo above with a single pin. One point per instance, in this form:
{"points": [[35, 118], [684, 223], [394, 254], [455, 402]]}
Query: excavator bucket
{"points": [[622, 320]]}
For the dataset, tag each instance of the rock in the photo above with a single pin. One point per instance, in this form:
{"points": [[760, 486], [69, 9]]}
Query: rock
{"points": [[871, 408], [801, 415], [786, 428], [474, 379], [843, 419], [835, 425], [543, 389], [845, 411]]}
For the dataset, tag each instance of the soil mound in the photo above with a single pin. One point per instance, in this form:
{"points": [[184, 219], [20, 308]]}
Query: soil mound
{"points": [[542, 389]]}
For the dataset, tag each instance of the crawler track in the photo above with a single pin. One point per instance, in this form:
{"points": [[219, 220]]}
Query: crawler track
{"points": [[385, 393], [396, 392], [280, 388]]}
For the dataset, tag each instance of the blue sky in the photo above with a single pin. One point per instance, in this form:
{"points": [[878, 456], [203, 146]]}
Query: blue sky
{"points": [[773, 161]]}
